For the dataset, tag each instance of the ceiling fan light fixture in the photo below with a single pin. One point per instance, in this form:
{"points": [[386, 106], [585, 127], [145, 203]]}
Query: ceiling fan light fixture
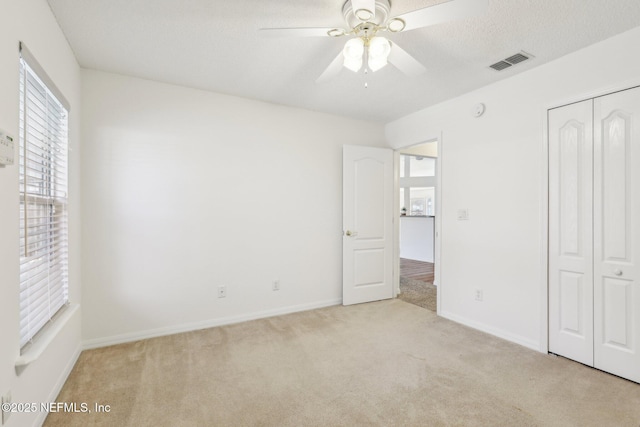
{"points": [[379, 50], [396, 25], [376, 64], [353, 52], [353, 64], [363, 14]]}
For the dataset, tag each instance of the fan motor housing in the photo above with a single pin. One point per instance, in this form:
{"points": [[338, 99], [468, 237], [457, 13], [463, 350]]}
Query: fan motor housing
{"points": [[382, 13]]}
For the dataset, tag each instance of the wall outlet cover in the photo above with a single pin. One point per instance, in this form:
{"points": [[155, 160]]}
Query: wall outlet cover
{"points": [[222, 291]]}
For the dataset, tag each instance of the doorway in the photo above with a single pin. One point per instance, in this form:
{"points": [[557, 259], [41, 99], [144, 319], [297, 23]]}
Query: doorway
{"points": [[418, 204]]}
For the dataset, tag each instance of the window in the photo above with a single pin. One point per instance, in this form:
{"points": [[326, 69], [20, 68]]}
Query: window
{"points": [[417, 166], [43, 199], [417, 185]]}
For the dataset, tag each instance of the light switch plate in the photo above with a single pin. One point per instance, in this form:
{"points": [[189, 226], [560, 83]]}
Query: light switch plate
{"points": [[463, 214], [7, 148]]}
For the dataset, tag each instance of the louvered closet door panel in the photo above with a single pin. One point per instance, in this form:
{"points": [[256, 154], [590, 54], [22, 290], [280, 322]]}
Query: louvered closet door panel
{"points": [[617, 233], [570, 232]]}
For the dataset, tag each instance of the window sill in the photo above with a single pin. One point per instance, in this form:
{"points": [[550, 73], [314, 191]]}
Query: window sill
{"points": [[40, 345]]}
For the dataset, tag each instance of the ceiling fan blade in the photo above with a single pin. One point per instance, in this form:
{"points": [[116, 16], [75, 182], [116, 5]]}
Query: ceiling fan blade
{"points": [[443, 12], [300, 32], [364, 5], [332, 70], [404, 62]]}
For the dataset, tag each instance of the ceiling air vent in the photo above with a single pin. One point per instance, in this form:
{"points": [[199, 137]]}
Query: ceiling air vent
{"points": [[512, 60], [500, 65]]}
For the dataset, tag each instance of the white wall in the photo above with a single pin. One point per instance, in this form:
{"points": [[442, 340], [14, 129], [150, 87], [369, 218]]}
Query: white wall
{"points": [[186, 190], [494, 166], [32, 22]]}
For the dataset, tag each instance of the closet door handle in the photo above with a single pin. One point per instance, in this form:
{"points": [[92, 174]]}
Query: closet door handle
{"points": [[617, 272]]}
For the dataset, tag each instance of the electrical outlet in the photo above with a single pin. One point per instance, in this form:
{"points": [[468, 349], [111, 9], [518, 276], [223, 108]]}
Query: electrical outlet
{"points": [[276, 285], [479, 295], [222, 291], [5, 414]]}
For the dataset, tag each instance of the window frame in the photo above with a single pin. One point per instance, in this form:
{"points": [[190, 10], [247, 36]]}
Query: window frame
{"points": [[43, 189]]}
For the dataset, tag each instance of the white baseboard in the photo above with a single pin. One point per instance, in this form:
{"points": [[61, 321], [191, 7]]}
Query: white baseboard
{"points": [[194, 326], [517, 339], [59, 384]]}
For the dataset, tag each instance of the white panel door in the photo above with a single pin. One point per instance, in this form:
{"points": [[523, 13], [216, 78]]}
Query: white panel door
{"points": [[367, 243], [570, 232], [617, 233]]}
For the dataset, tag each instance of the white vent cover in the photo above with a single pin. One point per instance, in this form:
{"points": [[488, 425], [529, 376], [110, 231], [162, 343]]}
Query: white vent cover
{"points": [[510, 61]]}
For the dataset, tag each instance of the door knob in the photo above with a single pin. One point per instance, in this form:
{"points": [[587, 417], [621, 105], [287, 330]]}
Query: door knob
{"points": [[351, 233], [617, 272]]}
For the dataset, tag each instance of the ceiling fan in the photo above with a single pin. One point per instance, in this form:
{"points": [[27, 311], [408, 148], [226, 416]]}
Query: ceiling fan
{"points": [[365, 19]]}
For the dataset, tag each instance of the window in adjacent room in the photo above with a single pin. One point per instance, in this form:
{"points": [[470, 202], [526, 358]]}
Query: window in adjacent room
{"points": [[43, 199], [417, 185]]}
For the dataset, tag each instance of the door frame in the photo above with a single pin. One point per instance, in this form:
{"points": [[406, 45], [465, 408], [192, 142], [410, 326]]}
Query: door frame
{"points": [[544, 196], [438, 218]]}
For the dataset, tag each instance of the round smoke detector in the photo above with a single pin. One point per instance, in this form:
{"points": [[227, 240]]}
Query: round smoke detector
{"points": [[353, 18]]}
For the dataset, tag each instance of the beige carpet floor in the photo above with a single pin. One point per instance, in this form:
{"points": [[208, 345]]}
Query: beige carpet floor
{"points": [[387, 363], [420, 293]]}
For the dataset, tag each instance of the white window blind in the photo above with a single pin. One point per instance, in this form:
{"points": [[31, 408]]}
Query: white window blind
{"points": [[43, 200]]}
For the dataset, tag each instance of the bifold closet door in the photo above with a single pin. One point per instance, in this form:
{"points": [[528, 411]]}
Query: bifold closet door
{"points": [[571, 231], [616, 247], [594, 232]]}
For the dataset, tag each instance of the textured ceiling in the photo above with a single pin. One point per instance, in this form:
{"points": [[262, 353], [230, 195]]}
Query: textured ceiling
{"points": [[214, 45]]}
